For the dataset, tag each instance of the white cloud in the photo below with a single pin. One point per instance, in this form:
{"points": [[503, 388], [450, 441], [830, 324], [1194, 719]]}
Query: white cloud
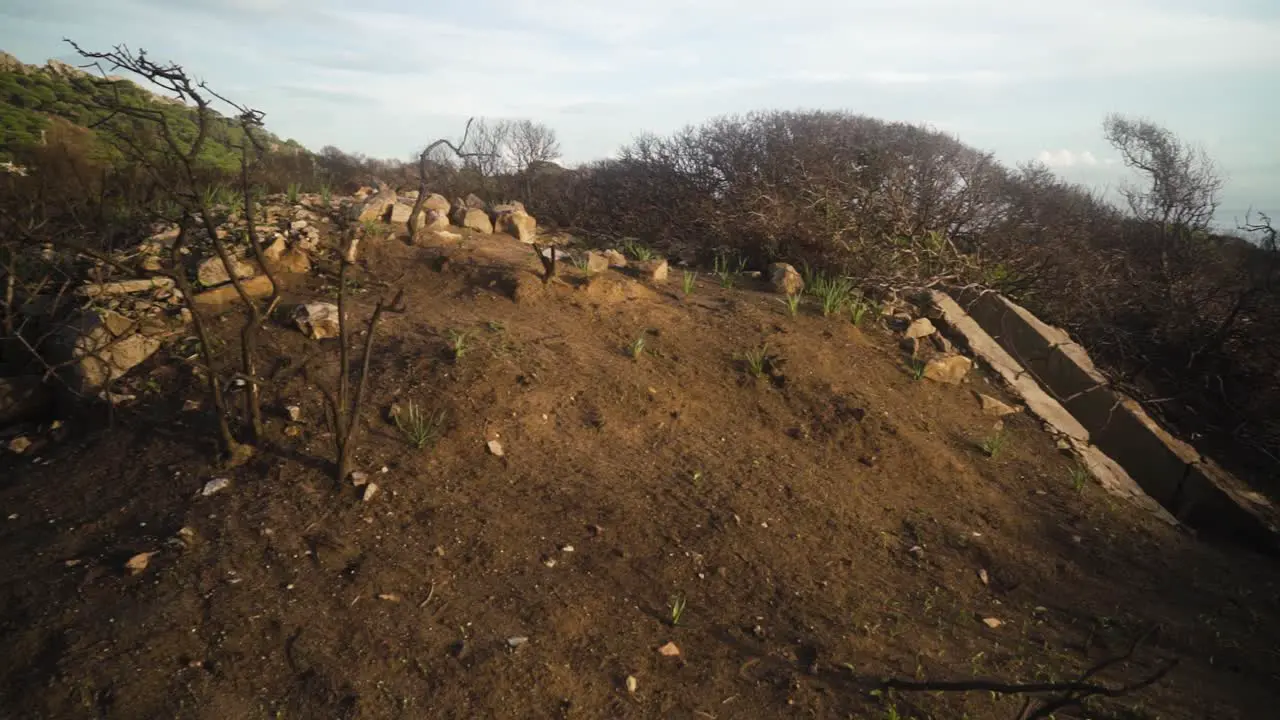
{"points": [[1066, 159]]}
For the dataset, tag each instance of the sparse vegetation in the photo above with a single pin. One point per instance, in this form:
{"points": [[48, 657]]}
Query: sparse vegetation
{"points": [[637, 251], [636, 348], [419, 427], [757, 360], [994, 444], [1079, 476], [833, 292], [916, 367], [689, 281], [458, 343], [859, 307], [677, 604], [292, 192], [792, 302], [727, 271]]}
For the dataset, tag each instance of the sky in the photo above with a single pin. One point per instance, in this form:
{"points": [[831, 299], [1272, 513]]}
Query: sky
{"points": [[1025, 81]]}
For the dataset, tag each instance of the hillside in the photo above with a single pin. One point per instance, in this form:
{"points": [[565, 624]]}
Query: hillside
{"points": [[34, 97], [831, 522]]}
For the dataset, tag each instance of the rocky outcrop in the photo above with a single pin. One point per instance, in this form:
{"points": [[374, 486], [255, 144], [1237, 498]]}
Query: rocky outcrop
{"points": [[518, 224], [96, 347]]}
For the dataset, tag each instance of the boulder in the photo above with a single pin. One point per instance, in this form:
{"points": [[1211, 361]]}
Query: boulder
{"points": [[597, 262], [400, 213], [477, 220], [950, 369], [615, 258], [437, 202], [212, 272], [920, 328], [100, 346], [472, 202], [292, 261], [258, 287], [379, 206], [652, 269], [275, 250], [785, 279], [518, 224], [23, 398], [318, 320]]}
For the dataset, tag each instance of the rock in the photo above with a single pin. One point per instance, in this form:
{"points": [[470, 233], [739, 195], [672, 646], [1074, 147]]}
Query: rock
{"points": [[377, 208], [785, 279], [438, 203], [474, 203], [495, 447], [257, 287], [991, 622], [23, 398], [294, 412], [477, 220], [920, 328], [943, 345], [400, 213], [212, 272], [994, 407], [597, 262], [126, 287], [298, 225], [317, 320], [518, 224], [950, 369], [369, 491], [139, 562], [632, 683], [669, 650], [97, 347], [517, 641], [390, 597], [436, 220], [652, 269], [19, 445], [276, 249], [294, 261], [359, 478], [215, 485], [910, 345], [615, 258]]}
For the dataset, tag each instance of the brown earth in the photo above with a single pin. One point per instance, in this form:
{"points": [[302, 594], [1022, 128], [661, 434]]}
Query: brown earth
{"points": [[828, 526]]}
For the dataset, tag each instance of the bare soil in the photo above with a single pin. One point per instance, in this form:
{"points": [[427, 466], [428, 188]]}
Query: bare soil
{"points": [[828, 525]]}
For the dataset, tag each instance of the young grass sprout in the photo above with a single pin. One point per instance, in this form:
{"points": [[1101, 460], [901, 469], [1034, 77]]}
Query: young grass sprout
{"points": [[756, 360], [420, 428], [916, 366], [728, 274], [690, 279], [291, 193], [858, 310], [994, 444], [637, 251], [1079, 476], [834, 292], [677, 605], [458, 343], [636, 348], [792, 301]]}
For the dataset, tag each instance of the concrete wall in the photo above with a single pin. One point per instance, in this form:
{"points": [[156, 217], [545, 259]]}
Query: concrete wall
{"points": [[1193, 488]]}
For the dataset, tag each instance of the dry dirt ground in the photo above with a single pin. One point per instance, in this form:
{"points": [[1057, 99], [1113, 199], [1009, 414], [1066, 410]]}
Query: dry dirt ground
{"points": [[827, 526]]}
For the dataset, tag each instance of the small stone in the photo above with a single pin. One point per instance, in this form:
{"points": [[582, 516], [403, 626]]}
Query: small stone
{"points": [[994, 407], [293, 431], [669, 650], [295, 413], [982, 575], [517, 641], [359, 479], [566, 548], [920, 328], [139, 562], [369, 491], [549, 562], [19, 445], [950, 370], [439, 551], [215, 485], [495, 447], [991, 622], [632, 683], [389, 597]]}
